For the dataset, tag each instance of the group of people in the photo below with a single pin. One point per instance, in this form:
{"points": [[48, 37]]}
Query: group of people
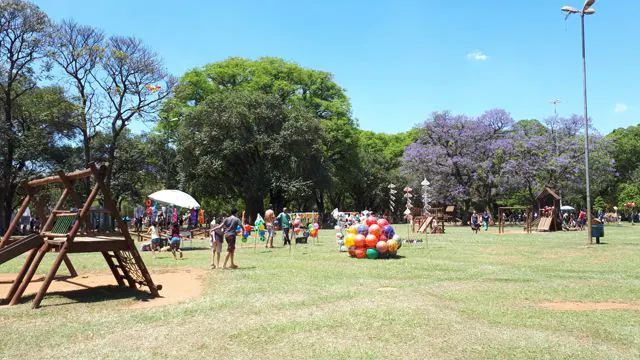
{"points": [[475, 221], [569, 221], [173, 239], [227, 230]]}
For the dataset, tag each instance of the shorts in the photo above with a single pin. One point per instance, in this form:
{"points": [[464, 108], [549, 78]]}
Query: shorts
{"points": [[156, 241], [231, 242], [175, 242], [270, 231]]}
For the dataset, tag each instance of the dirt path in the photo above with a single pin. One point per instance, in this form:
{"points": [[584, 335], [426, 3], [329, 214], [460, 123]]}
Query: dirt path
{"points": [[579, 306], [178, 285]]}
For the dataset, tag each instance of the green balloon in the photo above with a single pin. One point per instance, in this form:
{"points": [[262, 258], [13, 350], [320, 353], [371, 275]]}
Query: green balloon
{"points": [[372, 253]]}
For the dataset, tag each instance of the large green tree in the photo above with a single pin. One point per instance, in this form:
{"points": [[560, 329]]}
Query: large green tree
{"points": [[240, 144], [294, 86]]}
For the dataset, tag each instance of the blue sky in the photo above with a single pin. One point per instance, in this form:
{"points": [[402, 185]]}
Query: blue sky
{"points": [[401, 60]]}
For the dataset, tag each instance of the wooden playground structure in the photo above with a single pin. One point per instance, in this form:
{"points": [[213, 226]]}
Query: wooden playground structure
{"points": [[66, 232], [528, 217], [433, 222], [549, 209]]}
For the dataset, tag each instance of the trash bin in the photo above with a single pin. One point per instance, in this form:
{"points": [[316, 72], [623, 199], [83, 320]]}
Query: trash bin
{"points": [[597, 231]]}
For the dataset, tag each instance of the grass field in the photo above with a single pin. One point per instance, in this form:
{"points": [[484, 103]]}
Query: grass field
{"points": [[463, 296]]}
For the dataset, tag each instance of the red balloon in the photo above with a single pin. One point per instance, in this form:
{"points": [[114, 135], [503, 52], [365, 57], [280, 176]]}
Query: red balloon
{"points": [[381, 246], [371, 241], [352, 251], [360, 241], [371, 220], [361, 253], [382, 223], [375, 229], [383, 238]]}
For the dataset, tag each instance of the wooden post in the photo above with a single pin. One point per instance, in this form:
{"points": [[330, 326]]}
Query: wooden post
{"points": [[21, 274], [29, 276], [51, 274]]}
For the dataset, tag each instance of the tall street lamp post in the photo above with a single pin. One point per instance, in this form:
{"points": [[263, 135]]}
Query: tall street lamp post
{"points": [[586, 10]]}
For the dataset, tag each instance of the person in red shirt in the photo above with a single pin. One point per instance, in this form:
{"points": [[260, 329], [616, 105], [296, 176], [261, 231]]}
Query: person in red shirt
{"points": [[582, 219]]}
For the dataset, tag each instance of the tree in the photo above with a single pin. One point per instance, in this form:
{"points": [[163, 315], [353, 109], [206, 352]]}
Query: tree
{"points": [[77, 50], [240, 144], [626, 151], [462, 157], [134, 83], [23, 29], [294, 86]]}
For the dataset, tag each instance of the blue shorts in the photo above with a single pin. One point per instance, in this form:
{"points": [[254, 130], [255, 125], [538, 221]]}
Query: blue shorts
{"points": [[175, 240]]}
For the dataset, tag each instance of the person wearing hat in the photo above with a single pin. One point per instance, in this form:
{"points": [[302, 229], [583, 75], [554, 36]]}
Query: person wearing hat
{"points": [[285, 222]]}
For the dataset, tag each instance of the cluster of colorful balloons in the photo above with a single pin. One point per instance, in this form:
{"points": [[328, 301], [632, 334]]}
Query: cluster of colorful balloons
{"points": [[246, 233], [373, 239], [313, 229], [260, 228]]}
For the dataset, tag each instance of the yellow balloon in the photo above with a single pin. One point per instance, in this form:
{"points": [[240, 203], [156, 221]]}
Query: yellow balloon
{"points": [[392, 246], [352, 230], [350, 240]]}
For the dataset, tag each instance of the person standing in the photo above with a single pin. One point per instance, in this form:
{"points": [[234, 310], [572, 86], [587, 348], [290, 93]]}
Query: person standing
{"points": [[285, 222], [485, 220], [269, 219], [582, 219], [217, 238], [230, 224], [475, 225]]}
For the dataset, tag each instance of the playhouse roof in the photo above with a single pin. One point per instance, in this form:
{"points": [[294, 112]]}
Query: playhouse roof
{"points": [[548, 191]]}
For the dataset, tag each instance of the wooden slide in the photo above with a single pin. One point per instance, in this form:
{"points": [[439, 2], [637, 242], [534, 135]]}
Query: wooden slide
{"points": [[19, 247], [545, 224], [425, 225]]}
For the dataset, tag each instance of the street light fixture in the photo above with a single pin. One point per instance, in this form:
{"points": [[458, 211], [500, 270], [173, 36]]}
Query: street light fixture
{"points": [[586, 10]]}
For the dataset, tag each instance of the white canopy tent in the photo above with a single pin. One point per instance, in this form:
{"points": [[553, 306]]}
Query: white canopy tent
{"points": [[567, 208], [176, 198]]}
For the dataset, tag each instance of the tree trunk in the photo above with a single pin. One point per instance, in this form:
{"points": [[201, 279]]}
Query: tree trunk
{"points": [[6, 191], [254, 205]]}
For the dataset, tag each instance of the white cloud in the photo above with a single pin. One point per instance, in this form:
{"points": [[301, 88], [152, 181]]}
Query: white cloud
{"points": [[477, 55], [620, 108]]}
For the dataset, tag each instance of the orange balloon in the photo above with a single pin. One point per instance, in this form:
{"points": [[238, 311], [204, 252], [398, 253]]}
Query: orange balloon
{"points": [[371, 241], [361, 253], [375, 229], [360, 241]]}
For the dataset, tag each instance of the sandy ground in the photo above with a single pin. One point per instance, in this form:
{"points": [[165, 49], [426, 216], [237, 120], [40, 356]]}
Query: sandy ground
{"points": [[178, 285], [579, 306]]}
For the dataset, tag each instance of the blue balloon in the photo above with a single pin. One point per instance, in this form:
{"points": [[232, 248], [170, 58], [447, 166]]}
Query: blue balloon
{"points": [[238, 228], [388, 231], [363, 229]]}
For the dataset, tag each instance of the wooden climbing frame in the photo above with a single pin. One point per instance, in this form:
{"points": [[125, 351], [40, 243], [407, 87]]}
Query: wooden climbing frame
{"points": [[528, 217], [67, 232]]}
